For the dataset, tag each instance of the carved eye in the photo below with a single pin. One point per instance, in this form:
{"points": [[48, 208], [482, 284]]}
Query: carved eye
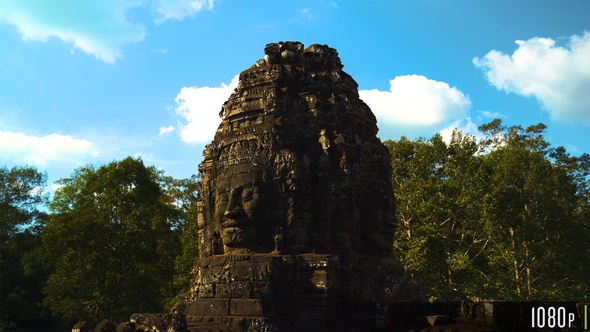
{"points": [[247, 194]]}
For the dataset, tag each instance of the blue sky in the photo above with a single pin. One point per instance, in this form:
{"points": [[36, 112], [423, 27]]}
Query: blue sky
{"points": [[98, 80]]}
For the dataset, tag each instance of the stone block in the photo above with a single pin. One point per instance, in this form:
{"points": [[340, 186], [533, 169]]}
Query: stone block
{"points": [[241, 272], [316, 261], [232, 324], [316, 282], [206, 290], [320, 279], [266, 266], [234, 289], [159, 322], [126, 327], [263, 271], [212, 275], [208, 307], [249, 307], [263, 289]]}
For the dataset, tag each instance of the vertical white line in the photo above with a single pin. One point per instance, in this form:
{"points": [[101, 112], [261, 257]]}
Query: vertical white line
{"points": [[585, 316]]}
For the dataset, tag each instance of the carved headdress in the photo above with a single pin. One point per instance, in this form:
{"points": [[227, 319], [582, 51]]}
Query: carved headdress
{"points": [[294, 161]]}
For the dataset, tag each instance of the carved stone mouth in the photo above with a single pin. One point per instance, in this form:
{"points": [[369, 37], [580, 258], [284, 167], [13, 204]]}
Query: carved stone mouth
{"points": [[238, 235], [236, 223], [238, 229]]}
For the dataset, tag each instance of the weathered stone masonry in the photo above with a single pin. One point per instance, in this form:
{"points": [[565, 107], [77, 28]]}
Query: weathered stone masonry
{"points": [[296, 206]]}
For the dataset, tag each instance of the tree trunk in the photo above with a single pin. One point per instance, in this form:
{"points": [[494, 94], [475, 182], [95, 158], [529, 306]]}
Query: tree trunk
{"points": [[515, 262], [528, 274]]}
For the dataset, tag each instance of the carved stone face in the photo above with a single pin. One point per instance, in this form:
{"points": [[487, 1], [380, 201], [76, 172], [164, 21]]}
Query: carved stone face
{"points": [[240, 210]]}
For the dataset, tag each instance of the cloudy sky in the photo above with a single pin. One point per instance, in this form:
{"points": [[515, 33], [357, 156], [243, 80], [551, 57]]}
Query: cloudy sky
{"points": [[98, 80]]}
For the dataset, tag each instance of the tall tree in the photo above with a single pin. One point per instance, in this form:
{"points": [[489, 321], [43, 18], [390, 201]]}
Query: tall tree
{"points": [[110, 243], [440, 233], [21, 195], [505, 218], [21, 198], [183, 194], [535, 199]]}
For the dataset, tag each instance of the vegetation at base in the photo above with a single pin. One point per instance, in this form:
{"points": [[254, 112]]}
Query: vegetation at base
{"points": [[505, 217], [118, 239]]}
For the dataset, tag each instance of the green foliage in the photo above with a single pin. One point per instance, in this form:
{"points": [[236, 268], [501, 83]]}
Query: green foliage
{"points": [[505, 218], [110, 243], [21, 196], [183, 194], [434, 191], [21, 193]]}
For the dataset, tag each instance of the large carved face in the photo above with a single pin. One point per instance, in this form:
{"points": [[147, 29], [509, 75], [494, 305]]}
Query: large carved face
{"points": [[240, 212]]}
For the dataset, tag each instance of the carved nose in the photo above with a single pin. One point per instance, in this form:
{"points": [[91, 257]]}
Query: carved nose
{"points": [[233, 213], [234, 208]]}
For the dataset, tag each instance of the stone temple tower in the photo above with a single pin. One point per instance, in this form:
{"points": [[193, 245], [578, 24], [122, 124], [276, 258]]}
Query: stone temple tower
{"points": [[296, 209]]}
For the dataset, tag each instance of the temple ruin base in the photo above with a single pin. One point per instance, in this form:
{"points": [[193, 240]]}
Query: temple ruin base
{"points": [[308, 292]]}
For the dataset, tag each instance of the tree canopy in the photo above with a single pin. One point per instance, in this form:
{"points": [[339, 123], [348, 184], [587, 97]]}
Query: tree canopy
{"points": [[111, 242], [502, 218], [21, 193], [21, 219]]}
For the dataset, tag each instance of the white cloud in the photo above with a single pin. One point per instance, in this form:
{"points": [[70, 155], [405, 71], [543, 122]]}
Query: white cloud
{"points": [[179, 9], [558, 77], [199, 109], [98, 27], [162, 51], [147, 157], [41, 150], [54, 187], [466, 126], [415, 100], [166, 130], [490, 114], [306, 12]]}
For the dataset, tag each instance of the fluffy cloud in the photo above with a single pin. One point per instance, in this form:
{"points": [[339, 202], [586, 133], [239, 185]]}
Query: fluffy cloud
{"points": [[198, 108], [41, 150], [415, 100], [490, 115], [99, 28], [179, 9], [558, 77], [166, 130]]}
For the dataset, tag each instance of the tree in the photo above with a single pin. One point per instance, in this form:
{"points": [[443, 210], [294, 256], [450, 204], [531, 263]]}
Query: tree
{"points": [[21, 197], [505, 218], [440, 234], [536, 198], [21, 194], [110, 243], [183, 194]]}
